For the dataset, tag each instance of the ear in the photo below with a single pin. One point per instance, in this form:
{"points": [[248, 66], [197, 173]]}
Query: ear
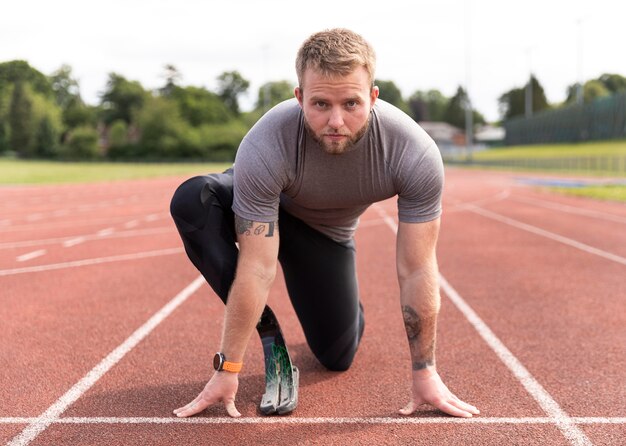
{"points": [[298, 92], [374, 95]]}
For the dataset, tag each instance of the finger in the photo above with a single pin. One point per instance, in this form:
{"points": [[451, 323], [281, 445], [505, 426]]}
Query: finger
{"points": [[465, 406], [187, 406], [451, 409], [231, 409], [408, 409], [194, 408]]}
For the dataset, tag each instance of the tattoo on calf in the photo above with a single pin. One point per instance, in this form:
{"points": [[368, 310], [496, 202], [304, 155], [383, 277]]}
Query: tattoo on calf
{"points": [[422, 350]]}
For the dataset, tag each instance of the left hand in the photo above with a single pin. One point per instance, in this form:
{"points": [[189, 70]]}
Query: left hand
{"points": [[428, 388]]}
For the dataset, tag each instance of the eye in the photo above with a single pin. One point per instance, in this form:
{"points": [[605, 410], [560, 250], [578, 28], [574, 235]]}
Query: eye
{"points": [[352, 104], [320, 104]]}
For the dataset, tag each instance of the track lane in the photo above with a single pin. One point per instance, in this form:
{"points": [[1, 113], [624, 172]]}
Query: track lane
{"points": [[382, 299]]}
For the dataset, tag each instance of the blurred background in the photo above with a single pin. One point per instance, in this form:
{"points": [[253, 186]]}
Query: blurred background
{"points": [[184, 80]]}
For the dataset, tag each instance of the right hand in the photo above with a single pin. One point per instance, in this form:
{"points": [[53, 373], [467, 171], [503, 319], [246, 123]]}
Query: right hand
{"points": [[221, 387]]}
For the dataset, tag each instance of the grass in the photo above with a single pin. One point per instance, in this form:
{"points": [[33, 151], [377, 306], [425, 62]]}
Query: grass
{"points": [[597, 149], [613, 192], [589, 149], [14, 171]]}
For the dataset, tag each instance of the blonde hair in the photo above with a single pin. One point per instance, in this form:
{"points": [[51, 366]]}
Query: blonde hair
{"points": [[335, 52]]}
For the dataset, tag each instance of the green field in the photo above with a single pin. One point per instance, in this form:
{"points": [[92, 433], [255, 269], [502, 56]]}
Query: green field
{"points": [[591, 149], [605, 159], [14, 171]]}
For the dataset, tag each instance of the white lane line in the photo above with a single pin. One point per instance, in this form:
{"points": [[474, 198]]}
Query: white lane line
{"points": [[532, 386], [369, 223], [131, 224], [570, 209], [73, 241], [31, 255], [81, 238], [42, 422], [460, 205], [34, 217], [105, 232], [152, 217], [86, 262], [73, 224], [551, 235], [310, 420]]}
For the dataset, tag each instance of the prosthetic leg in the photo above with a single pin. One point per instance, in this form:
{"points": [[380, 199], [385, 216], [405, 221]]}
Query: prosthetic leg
{"points": [[281, 376]]}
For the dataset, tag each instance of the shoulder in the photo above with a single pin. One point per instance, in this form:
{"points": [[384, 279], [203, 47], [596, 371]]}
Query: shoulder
{"points": [[279, 120], [273, 135], [396, 125]]}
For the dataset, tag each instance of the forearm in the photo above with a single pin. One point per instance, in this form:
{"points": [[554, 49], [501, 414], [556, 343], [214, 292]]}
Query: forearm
{"points": [[246, 301], [420, 300]]}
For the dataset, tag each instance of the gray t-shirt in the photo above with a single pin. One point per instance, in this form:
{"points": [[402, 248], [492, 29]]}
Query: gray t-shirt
{"points": [[278, 163]]}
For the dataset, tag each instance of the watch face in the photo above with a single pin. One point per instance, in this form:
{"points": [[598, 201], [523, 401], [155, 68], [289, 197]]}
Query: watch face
{"points": [[218, 361]]}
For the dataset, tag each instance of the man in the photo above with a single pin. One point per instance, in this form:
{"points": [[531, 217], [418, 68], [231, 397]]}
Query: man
{"points": [[302, 177]]}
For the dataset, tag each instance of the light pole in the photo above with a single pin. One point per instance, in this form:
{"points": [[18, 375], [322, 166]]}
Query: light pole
{"points": [[468, 103], [579, 89], [529, 86]]}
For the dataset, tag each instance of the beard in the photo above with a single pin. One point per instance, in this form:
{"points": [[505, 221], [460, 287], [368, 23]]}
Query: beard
{"points": [[337, 147]]}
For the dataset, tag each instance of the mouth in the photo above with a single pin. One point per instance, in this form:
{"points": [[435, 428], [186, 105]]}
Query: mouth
{"points": [[335, 136]]}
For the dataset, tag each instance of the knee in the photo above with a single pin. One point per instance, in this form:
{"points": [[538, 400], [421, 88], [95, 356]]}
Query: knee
{"points": [[186, 204], [339, 363]]}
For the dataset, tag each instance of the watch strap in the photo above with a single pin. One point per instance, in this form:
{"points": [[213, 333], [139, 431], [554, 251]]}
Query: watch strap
{"points": [[233, 367]]}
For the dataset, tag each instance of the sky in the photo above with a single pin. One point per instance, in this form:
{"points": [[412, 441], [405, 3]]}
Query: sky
{"points": [[487, 46]]}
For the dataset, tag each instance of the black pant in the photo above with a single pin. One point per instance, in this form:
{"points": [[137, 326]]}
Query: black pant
{"points": [[320, 273]]}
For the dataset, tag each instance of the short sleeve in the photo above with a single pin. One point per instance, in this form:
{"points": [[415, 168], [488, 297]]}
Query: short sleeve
{"points": [[257, 184], [420, 187]]}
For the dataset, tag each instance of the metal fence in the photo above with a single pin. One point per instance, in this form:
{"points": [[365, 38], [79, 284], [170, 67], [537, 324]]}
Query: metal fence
{"points": [[608, 164], [604, 118]]}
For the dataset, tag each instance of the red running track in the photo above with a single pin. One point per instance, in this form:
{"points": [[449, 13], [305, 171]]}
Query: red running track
{"points": [[106, 329]]}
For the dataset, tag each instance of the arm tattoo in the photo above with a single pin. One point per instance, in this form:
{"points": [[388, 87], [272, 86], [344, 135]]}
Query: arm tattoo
{"points": [[421, 335], [244, 226]]}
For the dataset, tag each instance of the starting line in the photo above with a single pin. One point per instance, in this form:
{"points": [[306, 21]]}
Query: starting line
{"points": [[309, 420]]}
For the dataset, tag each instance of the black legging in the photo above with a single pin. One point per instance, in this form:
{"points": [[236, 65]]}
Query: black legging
{"points": [[320, 273]]}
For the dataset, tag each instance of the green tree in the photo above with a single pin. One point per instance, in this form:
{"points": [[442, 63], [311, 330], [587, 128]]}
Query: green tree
{"points": [[172, 79], [200, 106], [5, 102], [162, 129], [591, 90], [20, 120], [65, 87], [82, 144], [47, 138], [389, 92], [427, 105], [613, 82], [455, 111], [122, 98], [231, 85], [118, 134], [513, 102], [20, 71], [76, 114], [272, 93]]}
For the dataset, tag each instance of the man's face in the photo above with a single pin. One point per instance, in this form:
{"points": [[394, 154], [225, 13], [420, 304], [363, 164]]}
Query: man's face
{"points": [[336, 109]]}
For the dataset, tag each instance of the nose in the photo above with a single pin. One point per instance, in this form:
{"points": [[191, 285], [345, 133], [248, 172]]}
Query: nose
{"points": [[335, 120]]}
